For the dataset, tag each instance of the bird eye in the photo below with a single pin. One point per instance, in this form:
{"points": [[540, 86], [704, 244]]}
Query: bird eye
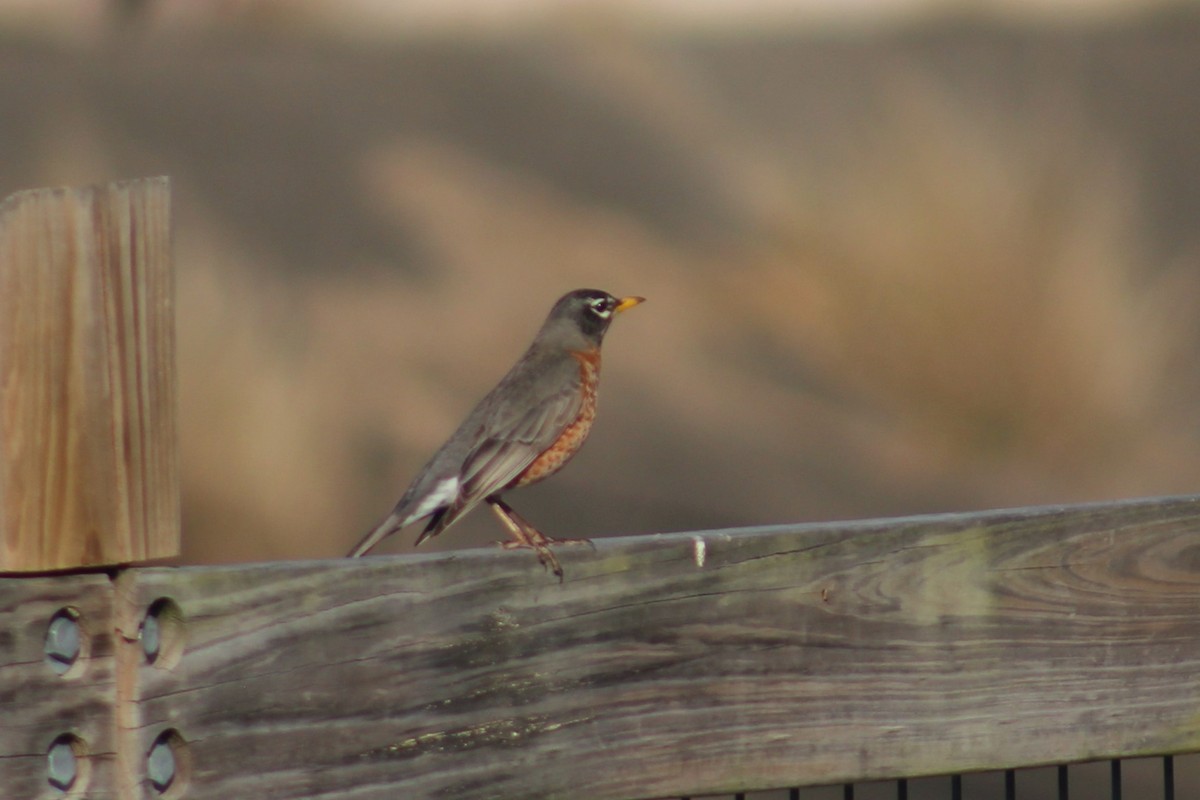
{"points": [[601, 306]]}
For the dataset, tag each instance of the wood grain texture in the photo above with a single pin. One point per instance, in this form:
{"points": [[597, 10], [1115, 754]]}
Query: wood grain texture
{"points": [[36, 703], [689, 664], [88, 467]]}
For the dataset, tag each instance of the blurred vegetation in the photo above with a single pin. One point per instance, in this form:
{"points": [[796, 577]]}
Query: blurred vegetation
{"points": [[947, 266]]}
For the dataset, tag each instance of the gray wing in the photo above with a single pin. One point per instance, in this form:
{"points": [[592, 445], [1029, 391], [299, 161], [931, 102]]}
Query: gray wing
{"points": [[504, 454], [502, 436], [509, 436]]}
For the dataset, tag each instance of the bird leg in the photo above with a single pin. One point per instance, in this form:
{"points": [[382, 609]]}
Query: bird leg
{"points": [[525, 535]]}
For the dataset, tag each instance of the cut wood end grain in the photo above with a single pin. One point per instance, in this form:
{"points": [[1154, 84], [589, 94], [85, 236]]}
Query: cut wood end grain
{"points": [[88, 463]]}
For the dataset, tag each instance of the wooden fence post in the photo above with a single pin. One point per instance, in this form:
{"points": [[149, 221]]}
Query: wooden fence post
{"points": [[88, 464]]}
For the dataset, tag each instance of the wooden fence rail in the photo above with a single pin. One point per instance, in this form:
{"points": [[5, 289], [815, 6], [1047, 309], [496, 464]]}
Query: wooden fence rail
{"points": [[665, 666], [672, 665]]}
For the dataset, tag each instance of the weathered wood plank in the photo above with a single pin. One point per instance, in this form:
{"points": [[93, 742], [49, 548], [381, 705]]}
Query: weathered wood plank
{"points": [[88, 471], [689, 663], [38, 703]]}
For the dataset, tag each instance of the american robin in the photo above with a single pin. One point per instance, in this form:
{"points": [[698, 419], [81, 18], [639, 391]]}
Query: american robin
{"points": [[524, 430]]}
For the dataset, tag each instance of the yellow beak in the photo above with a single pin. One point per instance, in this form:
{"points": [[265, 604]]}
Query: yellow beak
{"points": [[626, 303]]}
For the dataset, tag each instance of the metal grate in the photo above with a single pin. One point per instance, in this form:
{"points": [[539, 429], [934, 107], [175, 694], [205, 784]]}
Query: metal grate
{"points": [[1138, 778]]}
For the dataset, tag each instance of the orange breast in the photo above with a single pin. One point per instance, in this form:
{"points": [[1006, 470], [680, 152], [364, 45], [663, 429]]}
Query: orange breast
{"points": [[568, 444]]}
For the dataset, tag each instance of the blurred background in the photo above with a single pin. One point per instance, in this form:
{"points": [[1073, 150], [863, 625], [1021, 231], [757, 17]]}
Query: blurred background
{"points": [[900, 256]]}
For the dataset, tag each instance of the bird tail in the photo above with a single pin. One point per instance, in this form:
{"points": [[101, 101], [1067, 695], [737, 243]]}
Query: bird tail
{"points": [[381, 531], [437, 523]]}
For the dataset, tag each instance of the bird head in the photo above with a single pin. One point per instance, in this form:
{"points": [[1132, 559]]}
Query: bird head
{"points": [[590, 312]]}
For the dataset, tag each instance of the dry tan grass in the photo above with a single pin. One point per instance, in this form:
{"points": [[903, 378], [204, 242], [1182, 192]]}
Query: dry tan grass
{"points": [[981, 282]]}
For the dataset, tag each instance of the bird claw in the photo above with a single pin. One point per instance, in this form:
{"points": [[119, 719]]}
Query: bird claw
{"points": [[548, 561], [545, 541], [541, 550], [524, 535]]}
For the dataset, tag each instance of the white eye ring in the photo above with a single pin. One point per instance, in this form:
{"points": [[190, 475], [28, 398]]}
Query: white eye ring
{"points": [[600, 307]]}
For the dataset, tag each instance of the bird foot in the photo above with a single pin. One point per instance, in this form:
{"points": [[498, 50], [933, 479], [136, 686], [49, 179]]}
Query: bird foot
{"points": [[542, 548], [544, 556], [524, 535], [544, 541]]}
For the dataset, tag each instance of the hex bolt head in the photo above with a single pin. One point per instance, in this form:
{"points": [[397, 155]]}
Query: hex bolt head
{"points": [[151, 638], [160, 765], [168, 764], [64, 640], [163, 633], [66, 767], [60, 765]]}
